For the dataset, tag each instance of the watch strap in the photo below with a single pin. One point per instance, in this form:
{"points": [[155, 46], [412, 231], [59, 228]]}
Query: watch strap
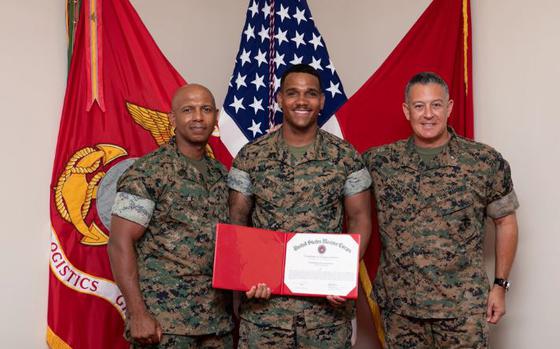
{"points": [[502, 283]]}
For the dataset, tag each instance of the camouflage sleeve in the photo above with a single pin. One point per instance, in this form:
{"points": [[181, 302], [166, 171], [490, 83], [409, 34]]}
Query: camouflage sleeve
{"points": [[502, 199], [353, 160], [133, 208], [136, 180], [503, 206], [238, 177], [357, 182], [241, 160], [240, 181], [369, 158], [137, 190], [358, 178]]}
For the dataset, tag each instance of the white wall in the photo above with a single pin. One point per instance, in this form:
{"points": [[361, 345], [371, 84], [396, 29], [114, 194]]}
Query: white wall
{"points": [[516, 69], [32, 75], [516, 74]]}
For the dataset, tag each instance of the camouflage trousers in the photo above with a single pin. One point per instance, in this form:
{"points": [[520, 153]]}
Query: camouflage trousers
{"points": [[253, 336], [405, 332], [210, 341]]}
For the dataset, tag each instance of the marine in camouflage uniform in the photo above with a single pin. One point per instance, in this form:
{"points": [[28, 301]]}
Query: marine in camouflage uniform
{"points": [[177, 202], [297, 191], [303, 196], [431, 283]]}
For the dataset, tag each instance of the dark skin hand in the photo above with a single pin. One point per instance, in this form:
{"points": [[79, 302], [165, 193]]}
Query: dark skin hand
{"points": [[259, 291], [144, 328]]}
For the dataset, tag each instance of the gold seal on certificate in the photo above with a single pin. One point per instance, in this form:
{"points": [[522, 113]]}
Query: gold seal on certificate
{"points": [[322, 264]]}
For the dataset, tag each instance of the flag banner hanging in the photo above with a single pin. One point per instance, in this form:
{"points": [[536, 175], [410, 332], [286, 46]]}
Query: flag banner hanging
{"points": [[276, 35], [440, 41], [98, 139]]}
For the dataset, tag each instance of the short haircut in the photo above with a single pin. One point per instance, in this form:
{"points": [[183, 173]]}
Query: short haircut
{"points": [[301, 68], [425, 78]]}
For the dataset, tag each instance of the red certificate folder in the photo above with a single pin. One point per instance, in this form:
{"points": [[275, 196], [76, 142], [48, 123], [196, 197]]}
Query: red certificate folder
{"points": [[245, 256]]}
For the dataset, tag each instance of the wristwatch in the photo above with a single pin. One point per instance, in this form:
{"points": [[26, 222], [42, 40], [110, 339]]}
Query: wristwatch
{"points": [[502, 283]]}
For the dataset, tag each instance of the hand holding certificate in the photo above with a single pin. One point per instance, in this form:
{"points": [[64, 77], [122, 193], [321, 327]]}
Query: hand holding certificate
{"points": [[288, 263]]}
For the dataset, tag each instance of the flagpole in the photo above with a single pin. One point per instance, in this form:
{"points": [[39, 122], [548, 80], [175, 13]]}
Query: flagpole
{"points": [[72, 17], [271, 65]]}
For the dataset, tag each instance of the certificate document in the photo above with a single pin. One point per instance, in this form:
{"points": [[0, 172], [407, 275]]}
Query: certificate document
{"points": [[309, 264], [322, 264]]}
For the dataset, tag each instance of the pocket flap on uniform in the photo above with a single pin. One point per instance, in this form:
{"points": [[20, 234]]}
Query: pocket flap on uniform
{"points": [[327, 316], [453, 203], [452, 207], [190, 215]]}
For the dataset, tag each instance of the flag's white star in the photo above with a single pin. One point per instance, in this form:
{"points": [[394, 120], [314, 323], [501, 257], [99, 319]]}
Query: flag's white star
{"points": [[237, 104], [296, 60], [249, 32], [256, 105], [316, 63], [254, 9], [244, 57], [276, 107], [316, 41], [334, 89], [240, 80], [300, 15], [298, 39], [283, 13], [230, 80], [281, 36], [255, 128], [276, 83], [266, 10], [330, 67], [258, 82], [263, 34], [279, 60], [260, 57]]}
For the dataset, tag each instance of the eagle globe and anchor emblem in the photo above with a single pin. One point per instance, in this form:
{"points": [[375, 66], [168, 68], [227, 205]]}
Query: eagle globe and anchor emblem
{"points": [[84, 179]]}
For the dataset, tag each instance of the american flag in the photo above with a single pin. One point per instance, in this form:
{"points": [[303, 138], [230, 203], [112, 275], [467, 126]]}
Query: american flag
{"points": [[276, 35]]}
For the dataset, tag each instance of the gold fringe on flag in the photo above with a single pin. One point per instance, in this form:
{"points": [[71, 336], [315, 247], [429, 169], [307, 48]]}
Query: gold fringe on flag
{"points": [[54, 341], [374, 308]]}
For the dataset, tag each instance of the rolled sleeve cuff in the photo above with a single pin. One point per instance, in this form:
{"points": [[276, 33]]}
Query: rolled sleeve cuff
{"points": [[133, 208], [240, 181], [357, 182], [504, 206]]}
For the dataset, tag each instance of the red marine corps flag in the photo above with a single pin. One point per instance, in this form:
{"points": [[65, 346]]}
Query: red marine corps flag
{"points": [[440, 41], [115, 110]]}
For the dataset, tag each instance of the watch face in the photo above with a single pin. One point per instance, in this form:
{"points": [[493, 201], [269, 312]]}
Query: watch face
{"points": [[503, 283]]}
